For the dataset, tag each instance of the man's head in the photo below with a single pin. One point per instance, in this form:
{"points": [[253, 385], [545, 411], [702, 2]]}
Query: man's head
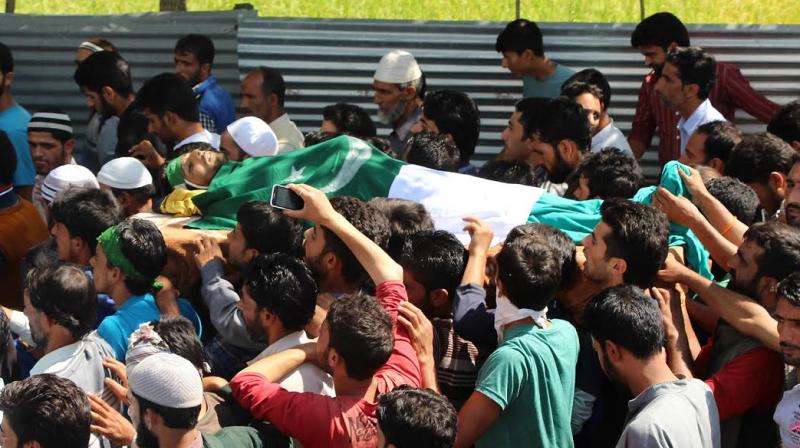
{"points": [[454, 115], [105, 79], [347, 119], [248, 137], [656, 35], [6, 69], [555, 239], [91, 46], [521, 45], [168, 102], [786, 124], [181, 337], [411, 418], [792, 196], [262, 93], [398, 82], [195, 168], [432, 150], [8, 159], [45, 411], [688, 76], [260, 229], [628, 245], [130, 182], [405, 218], [508, 171], [59, 300], [528, 272], [737, 197], [279, 292], [711, 144], [762, 161], [590, 98], [131, 254], [516, 135], [194, 57], [769, 252], [50, 139], [626, 329], [787, 313], [595, 78], [165, 393], [609, 173], [78, 216], [560, 137]]}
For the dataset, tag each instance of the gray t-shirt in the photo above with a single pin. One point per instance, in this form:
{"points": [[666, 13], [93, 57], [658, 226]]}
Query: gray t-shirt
{"points": [[673, 414]]}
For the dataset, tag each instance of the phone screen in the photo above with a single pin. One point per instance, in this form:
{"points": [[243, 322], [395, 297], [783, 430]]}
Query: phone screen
{"points": [[285, 198]]}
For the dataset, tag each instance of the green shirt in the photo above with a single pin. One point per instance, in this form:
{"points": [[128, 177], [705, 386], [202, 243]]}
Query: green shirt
{"points": [[546, 88], [531, 376], [233, 436]]}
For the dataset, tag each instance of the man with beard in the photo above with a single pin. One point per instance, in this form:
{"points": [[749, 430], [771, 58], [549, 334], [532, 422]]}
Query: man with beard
{"points": [[52, 144], [14, 121], [787, 313], [263, 93], [710, 146], [194, 58], [628, 336], [399, 88], [792, 201], [653, 38]]}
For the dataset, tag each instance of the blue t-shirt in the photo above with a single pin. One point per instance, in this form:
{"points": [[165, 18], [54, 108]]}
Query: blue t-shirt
{"points": [[14, 121], [546, 88], [216, 103]]}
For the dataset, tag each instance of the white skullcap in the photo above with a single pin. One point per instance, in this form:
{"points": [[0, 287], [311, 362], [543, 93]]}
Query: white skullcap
{"points": [[125, 173], [168, 380], [66, 176], [397, 67], [254, 136]]}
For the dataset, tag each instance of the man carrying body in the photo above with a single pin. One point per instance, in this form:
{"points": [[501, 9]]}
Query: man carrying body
{"points": [[262, 93], [52, 143], [130, 182], [399, 90]]}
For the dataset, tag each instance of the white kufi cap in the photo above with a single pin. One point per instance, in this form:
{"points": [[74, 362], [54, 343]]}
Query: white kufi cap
{"points": [[397, 67], [254, 136], [168, 380], [125, 173], [65, 176]]}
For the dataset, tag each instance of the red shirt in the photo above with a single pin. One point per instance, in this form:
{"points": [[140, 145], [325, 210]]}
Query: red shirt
{"points": [[344, 421], [731, 90]]}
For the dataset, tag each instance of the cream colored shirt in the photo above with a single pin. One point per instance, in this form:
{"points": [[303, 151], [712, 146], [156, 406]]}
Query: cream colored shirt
{"points": [[289, 137]]}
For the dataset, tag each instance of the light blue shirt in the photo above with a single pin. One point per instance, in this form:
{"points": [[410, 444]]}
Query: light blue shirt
{"points": [[705, 113], [14, 121], [546, 88]]}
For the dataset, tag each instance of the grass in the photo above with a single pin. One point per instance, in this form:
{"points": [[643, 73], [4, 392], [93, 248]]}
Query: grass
{"points": [[690, 11]]}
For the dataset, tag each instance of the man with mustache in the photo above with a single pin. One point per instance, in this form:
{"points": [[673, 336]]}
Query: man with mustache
{"points": [[792, 198], [52, 143], [399, 87], [787, 314]]}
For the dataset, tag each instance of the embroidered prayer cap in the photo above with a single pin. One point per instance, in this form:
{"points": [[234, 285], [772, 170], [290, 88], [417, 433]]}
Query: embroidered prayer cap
{"points": [[168, 380], [143, 343], [254, 136], [125, 173], [397, 67], [65, 176], [51, 121]]}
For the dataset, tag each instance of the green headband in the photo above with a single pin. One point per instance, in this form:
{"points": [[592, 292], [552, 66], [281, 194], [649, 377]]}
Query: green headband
{"points": [[111, 243], [174, 171]]}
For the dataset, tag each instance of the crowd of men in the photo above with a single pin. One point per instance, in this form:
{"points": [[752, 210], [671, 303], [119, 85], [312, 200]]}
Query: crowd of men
{"points": [[353, 323]]}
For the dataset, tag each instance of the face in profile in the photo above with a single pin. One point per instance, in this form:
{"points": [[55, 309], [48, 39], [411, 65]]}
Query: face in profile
{"points": [[199, 166]]}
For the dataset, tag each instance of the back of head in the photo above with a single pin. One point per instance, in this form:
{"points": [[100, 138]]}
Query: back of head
{"points": [[361, 333], [284, 286], [405, 217], [789, 288], [269, 231], [736, 196], [412, 418], [315, 137], [86, 213], [6, 59], [368, 221], [660, 30], [181, 338], [47, 409], [169, 385], [169, 92], [143, 245], [781, 245], [8, 159], [721, 138], [509, 171], [102, 69], [272, 83], [65, 294], [695, 67], [102, 43], [786, 122], [594, 78], [456, 114], [520, 35], [555, 239], [350, 119], [435, 258], [758, 155], [625, 316], [561, 119], [529, 109], [530, 271], [432, 150], [611, 173], [197, 44], [639, 235]]}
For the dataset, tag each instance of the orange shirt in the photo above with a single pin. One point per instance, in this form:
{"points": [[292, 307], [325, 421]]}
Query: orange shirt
{"points": [[21, 227]]}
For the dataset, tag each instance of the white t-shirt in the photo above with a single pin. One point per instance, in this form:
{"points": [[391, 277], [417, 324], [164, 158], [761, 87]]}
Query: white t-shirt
{"points": [[787, 416]]}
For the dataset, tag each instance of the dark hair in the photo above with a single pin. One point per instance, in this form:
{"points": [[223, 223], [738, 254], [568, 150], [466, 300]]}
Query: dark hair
{"points": [[405, 217], [283, 285], [169, 92], [639, 235], [181, 338], [781, 244], [529, 108], [520, 35], [435, 258], [66, 295], [413, 418], [721, 138], [47, 409], [140, 194], [197, 44], [736, 196], [758, 155], [8, 351], [105, 44], [595, 78], [578, 88], [560, 119], [509, 171], [625, 316], [272, 82], [530, 271], [432, 150], [175, 418], [382, 145], [660, 30], [611, 173], [361, 332], [142, 243], [85, 212], [6, 59], [268, 230], [789, 288], [695, 67], [102, 69], [366, 220], [555, 239], [456, 114], [350, 119], [8, 159], [315, 137], [786, 122]]}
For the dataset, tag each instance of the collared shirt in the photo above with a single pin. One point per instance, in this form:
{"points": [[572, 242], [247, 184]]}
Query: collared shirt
{"points": [[705, 113], [731, 91], [400, 134], [610, 136], [289, 137], [307, 377], [215, 104], [203, 136]]}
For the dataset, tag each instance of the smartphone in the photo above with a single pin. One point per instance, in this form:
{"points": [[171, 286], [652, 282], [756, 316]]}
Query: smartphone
{"points": [[286, 199]]}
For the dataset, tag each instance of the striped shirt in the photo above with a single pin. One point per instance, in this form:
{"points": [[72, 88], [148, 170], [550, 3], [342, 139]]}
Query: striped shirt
{"points": [[731, 91]]}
